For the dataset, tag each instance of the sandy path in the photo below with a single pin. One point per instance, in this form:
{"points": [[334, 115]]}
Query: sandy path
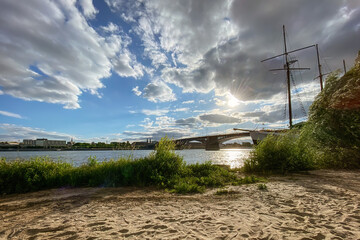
{"points": [[319, 205]]}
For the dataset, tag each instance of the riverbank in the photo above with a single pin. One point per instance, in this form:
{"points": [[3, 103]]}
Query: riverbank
{"points": [[322, 204]]}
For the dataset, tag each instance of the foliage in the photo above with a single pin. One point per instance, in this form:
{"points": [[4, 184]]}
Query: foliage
{"points": [[162, 168], [225, 192], [334, 122], [280, 154], [262, 187], [34, 174], [329, 139]]}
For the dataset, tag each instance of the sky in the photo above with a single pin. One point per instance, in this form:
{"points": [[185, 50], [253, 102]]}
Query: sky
{"points": [[117, 70]]}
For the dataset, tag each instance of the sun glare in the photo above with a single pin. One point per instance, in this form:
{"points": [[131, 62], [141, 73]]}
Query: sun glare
{"points": [[232, 101]]}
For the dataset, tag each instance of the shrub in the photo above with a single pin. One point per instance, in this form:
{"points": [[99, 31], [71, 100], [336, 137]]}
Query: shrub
{"points": [[280, 154], [334, 121], [34, 174]]}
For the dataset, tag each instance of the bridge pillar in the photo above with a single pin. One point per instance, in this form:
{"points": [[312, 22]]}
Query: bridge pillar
{"points": [[212, 143]]}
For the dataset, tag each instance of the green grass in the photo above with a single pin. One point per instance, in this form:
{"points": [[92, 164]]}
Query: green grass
{"points": [[222, 191], [162, 168], [281, 154]]}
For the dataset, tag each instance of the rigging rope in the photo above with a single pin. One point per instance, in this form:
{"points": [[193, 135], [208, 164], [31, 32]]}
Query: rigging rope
{"points": [[297, 94], [285, 104]]}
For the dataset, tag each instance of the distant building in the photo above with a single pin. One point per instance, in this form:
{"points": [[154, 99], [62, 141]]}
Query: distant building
{"points": [[43, 143], [9, 145], [144, 145]]}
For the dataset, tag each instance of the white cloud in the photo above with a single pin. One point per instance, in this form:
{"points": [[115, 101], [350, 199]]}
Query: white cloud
{"points": [[181, 110], [111, 28], [161, 127], [88, 8], [218, 45], [219, 118], [56, 57], [188, 102], [158, 91], [152, 48], [136, 91], [115, 4], [10, 114], [157, 112], [125, 65], [12, 132]]}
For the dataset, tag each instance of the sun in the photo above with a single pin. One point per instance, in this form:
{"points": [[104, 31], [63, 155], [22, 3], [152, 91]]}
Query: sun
{"points": [[232, 101]]}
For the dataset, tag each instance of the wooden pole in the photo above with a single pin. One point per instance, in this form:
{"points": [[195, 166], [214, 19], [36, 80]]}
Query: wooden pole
{"points": [[319, 66], [287, 77], [344, 65]]}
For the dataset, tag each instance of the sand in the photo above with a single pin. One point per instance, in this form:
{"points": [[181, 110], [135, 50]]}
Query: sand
{"points": [[318, 205]]}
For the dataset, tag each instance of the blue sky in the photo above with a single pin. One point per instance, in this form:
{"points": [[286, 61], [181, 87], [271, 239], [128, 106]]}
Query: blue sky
{"points": [[129, 70]]}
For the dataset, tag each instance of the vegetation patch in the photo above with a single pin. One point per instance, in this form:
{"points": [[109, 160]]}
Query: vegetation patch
{"points": [[262, 187], [225, 192], [162, 168], [329, 139]]}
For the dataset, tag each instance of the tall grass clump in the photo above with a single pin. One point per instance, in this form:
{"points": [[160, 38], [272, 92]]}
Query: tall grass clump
{"points": [[283, 153], [162, 168], [31, 175]]}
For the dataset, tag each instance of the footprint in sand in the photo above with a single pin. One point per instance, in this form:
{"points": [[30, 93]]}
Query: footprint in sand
{"points": [[160, 227], [96, 224], [34, 231]]}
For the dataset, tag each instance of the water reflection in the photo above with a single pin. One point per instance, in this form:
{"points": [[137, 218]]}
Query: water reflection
{"points": [[231, 157]]}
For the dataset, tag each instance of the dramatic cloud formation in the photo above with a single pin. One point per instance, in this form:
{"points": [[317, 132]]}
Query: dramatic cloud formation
{"points": [[186, 66], [219, 44], [51, 54]]}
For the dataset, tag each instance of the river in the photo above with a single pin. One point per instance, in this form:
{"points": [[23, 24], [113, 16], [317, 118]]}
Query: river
{"points": [[232, 157]]}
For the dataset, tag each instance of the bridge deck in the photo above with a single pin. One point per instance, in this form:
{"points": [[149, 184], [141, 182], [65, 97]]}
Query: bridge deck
{"points": [[220, 137]]}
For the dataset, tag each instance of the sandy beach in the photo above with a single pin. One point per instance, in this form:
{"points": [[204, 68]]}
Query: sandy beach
{"points": [[317, 205]]}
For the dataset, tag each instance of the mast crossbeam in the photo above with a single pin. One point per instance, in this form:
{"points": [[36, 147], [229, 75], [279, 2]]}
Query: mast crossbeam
{"points": [[287, 53], [284, 69]]}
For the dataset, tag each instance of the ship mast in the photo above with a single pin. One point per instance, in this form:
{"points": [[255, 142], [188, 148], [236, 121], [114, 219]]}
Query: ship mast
{"points": [[288, 70], [287, 77], [319, 67]]}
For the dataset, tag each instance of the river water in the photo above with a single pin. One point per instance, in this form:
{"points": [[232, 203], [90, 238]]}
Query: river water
{"points": [[232, 157]]}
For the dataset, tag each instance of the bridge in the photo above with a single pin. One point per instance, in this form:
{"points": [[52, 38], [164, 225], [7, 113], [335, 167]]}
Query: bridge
{"points": [[212, 142]]}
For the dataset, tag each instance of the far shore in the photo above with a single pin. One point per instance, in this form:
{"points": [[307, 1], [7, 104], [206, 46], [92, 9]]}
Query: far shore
{"points": [[321, 204], [99, 149]]}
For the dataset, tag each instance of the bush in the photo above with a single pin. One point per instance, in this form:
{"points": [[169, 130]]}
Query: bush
{"points": [[334, 121], [283, 153], [34, 174]]}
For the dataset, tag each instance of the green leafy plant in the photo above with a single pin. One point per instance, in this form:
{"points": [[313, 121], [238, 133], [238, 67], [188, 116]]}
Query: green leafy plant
{"points": [[262, 187]]}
